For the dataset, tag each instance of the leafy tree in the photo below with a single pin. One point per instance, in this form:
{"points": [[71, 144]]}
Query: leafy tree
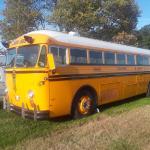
{"points": [[125, 38], [100, 19], [143, 36], [21, 16]]}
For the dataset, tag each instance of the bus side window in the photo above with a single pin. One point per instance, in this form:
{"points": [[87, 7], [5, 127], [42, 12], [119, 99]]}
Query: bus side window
{"points": [[139, 60], [95, 57], [59, 54], [142, 60], [43, 58], [130, 59], [109, 58], [121, 60], [145, 60], [62, 55], [78, 56], [148, 60]]}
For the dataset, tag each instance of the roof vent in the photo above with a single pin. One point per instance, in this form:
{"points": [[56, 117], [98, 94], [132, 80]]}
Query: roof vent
{"points": [[74, 33]]}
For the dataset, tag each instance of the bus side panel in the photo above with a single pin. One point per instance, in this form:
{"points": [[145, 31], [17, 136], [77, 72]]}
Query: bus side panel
{"points": [[63, 92], [143, 81], [110, 89], [119, 88], [146, 81], [130, 86]]}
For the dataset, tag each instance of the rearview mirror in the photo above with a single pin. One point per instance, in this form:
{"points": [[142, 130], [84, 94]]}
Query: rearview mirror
{"points": [[51, 62]]}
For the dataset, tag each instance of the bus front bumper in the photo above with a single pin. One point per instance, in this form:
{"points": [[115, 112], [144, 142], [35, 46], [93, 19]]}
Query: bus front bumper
{"points": [[36, 115], [2, 89]]}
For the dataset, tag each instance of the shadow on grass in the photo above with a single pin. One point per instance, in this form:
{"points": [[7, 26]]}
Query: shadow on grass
{"points": [[106, 107], [121, 102]]}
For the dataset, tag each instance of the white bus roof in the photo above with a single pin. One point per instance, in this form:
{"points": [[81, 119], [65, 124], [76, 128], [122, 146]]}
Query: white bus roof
{"points": [[88, 42]]}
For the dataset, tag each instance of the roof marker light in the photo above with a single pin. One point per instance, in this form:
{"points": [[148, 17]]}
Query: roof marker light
{"points": [[29, 39]]}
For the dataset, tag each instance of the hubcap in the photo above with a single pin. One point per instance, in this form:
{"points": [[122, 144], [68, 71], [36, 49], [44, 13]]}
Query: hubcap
{"points": [[84, 105]]}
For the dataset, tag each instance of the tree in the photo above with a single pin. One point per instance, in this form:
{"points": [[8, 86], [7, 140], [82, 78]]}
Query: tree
{"points": [[100, 19], [125, 38], [20, 16], [143, 36]]}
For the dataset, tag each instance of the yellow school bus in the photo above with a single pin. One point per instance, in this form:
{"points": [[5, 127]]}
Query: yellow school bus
{"points": [[51, 74]]}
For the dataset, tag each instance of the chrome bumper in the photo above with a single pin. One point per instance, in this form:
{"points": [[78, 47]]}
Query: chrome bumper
{"points": [[36, 115], [2, 88]]}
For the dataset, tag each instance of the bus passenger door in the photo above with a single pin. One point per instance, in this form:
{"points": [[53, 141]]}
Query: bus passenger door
{"points": [[43, 89]]}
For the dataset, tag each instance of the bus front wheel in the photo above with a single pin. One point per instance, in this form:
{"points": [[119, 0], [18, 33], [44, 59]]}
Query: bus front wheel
{"points": [[84, 104]]}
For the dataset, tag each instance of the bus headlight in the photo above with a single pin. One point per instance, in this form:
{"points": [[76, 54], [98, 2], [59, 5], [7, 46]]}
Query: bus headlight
{"points": [[6, 90], [30, 94], [31, 98], [6, 94]]}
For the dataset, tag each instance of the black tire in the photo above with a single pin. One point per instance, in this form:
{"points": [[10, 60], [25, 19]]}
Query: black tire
{"points": [[76, 113], [148, 91]]}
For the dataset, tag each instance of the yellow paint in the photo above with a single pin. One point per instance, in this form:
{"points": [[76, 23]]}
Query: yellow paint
{"points": [[25, 82], [57, 96]]}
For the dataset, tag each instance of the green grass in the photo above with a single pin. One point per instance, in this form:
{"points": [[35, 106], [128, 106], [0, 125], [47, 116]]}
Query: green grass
{"points": [[121, 107], [14, 129]]}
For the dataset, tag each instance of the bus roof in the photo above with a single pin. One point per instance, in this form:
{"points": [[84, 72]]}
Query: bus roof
{"points": [[69, 39], [88, 42]]}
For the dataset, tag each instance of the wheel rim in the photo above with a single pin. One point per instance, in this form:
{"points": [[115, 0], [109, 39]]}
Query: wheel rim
{"points": [[84, 105]]}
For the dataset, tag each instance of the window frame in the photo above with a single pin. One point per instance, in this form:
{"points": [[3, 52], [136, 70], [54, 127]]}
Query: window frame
{"points": [[7, 65], [103, 53], [145, 56], [125, 62], [92, 50], [66, 55], [139, 64], [72, 63], [142, 56], [46, 63], [17, 49], [106, 52], [134, 64]]}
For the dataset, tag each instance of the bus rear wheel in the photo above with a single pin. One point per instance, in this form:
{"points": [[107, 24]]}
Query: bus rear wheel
{"points": [[84, 105]]}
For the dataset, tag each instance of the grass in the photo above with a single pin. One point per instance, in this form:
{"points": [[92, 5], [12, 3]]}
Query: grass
{"points": [[123, 106], [15, 130], [123, 144]]}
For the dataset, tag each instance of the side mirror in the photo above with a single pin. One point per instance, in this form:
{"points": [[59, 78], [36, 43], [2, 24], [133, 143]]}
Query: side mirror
{"points": [[51, 62]]}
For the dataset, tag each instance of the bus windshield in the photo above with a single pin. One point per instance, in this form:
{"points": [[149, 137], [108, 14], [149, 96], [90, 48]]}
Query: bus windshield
{"points": [[27, 56], [2, 60], [10, 60]]}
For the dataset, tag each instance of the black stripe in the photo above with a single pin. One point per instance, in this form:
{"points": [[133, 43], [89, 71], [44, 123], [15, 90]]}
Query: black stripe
{"points": [[88, 76], [68, 75], [82, 76], [24, 72]]}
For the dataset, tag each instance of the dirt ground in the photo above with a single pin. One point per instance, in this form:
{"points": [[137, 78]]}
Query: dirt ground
{"points": [[129, 130]]}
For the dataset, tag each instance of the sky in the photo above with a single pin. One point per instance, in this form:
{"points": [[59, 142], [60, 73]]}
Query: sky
{"points": [[144, 19], [144, 6]]}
